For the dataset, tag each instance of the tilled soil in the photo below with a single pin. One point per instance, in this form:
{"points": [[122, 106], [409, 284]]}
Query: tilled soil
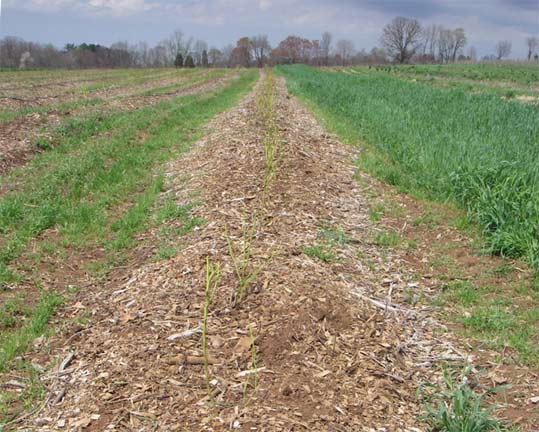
{"points": [[18, 138], [314, 345]]}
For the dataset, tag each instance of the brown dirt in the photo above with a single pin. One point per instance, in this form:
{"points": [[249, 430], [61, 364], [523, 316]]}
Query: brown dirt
{"points": [[328, 358], [18, 138]]}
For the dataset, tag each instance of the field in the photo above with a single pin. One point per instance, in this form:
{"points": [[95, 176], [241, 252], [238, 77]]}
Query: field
{"points": [[284, 249], [451, 145], [518, 81]]}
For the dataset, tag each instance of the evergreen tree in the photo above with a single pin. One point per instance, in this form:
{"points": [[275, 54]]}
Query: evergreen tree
{"points": [[179, 61], [189, 62], [204, 59]]}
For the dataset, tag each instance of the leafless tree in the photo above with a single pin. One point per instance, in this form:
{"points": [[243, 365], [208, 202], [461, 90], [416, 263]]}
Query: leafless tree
{"points": [[345, 50], [316, 53], [325, 47], [261, 48], [450, 44], [401, 38], [532, 43], [503, 49], [459, 42], [429, 37], [176, 43], [472, 54], [227, 55], [198, 48], [215, 57]]}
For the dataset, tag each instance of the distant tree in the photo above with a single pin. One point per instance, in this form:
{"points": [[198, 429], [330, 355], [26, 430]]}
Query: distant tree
{"points": [[316, 53], [377, 56], [533, 44], [261, 48], [429, 41], [458, 42], [291, 50], [199, 47], [26, 60], [472, 54], [450, 43], [189, 62], [178, 62], [241, 54], [401, 38], [325, 47], [204, 59], [215, 57], [176, 43], [503, 49], [226, 55], [345, 50]]}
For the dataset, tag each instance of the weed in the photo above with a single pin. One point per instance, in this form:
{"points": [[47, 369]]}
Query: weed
{"points": [[376, 212], [319, 252], [333, 236], [503, 270], [455, 407], [388, 239]]}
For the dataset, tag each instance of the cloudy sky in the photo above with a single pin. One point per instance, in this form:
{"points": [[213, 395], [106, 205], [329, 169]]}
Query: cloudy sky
{"points": [[222, 21]]}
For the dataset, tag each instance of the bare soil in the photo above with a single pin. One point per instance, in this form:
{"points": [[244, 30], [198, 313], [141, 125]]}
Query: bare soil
{"points": [[337, 348]]}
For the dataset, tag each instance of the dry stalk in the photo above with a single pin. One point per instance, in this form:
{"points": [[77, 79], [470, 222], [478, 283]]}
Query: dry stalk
{"points": [[213, 273], [271, 141], [241, 260], [253, 367]]}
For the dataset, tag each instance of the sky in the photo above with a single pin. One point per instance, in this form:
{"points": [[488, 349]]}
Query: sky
{"points": [[220, 22]]}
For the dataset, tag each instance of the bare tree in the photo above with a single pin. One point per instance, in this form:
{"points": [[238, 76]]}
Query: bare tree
{"points": [[345, 50], [227, 55], [532, 43], [215, 57], [458, 42], [472, 54], [450, 44], [325, 47], [401, 38], [176, 43], [430, 41], [261, 48], [503, 49], [198, 49]]}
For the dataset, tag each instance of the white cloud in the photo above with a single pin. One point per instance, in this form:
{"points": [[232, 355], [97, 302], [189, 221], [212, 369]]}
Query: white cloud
{"points": [[264, 5], [84, 7]]}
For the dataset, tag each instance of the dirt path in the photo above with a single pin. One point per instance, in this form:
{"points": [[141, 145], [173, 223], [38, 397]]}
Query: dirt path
{"points": [[314, 346]]}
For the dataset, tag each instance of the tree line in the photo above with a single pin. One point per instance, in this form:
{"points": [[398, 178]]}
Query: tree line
{"points": [[403, 40]]}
